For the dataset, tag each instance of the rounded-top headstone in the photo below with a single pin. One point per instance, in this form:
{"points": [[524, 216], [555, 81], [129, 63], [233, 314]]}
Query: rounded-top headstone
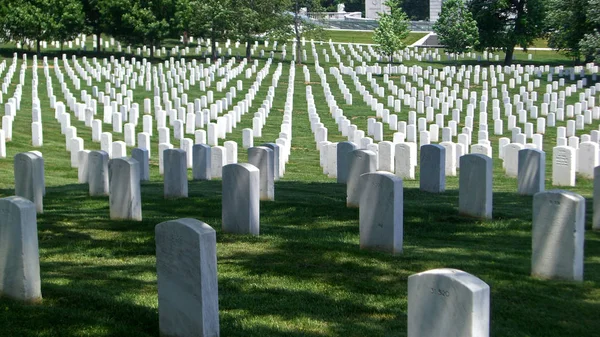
{"points": [[19, 262], [186, 265], [558, 235], [381, 212], [448, 303], [241, 199]]}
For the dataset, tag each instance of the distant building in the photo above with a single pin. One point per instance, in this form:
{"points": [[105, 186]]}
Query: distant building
{"points": [[374, 7], [435, 7]]}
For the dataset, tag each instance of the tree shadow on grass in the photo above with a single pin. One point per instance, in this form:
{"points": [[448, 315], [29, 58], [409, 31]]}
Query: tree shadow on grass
{"points": [[305, 269]]}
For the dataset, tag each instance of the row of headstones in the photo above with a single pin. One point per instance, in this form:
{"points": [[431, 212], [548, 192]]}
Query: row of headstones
{"points": [[127, 105], [558, 216], [37, 138], [97, 126], [178, 83], [80, 43], [384, 113], [125, 73], [376, 220], [433, 296], [116, 118], [286, 131], [411, 98], [321, 139], [143, 138], [370, 55], [120, 179], [13, 103], [401, 158], [579, 124], [193, 243]]}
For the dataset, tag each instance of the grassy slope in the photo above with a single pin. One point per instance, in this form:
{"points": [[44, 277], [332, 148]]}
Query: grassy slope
{"points": [[304, 275]]}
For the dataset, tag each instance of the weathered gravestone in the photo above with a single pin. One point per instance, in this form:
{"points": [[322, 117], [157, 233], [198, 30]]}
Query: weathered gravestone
{"points": [[29, 178], [386, 156], [217, 161], [558, 235], [432, 168], [511, 158], [405, 160], [532, 171], [262, 157], [588, 157], [381, 212], [475, 186], [563, 166], [343, 160], [361, 162], [98, 173], [19, 256], [124, 199], [176, 183], [142, 156], [596, 216], [43, 174], [448, 303], [241, 199], [186, 266], [201, 167], [82, 167], [276, 159]]}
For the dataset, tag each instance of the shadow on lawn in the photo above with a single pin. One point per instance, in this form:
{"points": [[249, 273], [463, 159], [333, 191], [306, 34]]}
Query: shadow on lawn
{"points": [[99, 274]]}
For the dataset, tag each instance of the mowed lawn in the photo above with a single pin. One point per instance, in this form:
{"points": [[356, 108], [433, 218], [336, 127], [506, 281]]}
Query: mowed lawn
{"points": [[305, 274], [364, 36]]}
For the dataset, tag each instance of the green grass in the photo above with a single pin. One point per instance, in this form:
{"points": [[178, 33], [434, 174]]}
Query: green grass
{"points": [[540, 43], [305, 274], [364, 37]]}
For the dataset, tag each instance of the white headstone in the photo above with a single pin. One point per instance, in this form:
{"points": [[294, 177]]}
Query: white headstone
{"points": [[20, 262], [448, 303], [558, 235], [186, 266]]}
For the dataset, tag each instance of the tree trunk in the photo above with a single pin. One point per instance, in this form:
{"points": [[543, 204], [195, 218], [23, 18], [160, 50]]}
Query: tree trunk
{"points": [[248, 47], [213, 45], [297, 32], [151, 50], [510, 50], [98, 46], [38, 43], [509, 55]]}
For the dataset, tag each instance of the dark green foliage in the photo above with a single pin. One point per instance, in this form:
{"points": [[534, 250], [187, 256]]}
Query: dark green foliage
{"points": [[505, 24], [456, 28], [392, 31], [566, 25]]}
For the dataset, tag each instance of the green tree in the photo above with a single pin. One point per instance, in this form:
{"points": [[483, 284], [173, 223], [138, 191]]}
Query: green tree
{"points": [[456, 28], [27, 21], [146, 22], [42, 20], [207, 18], [505, 24], [566, 25], [392, 31], [69, 20], [590, 44], [103, 16], [255, 18], [111, 23], [294, 26]]}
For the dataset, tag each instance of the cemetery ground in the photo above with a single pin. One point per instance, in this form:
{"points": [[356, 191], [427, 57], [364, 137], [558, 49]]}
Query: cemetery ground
{"points": [[305, 274], [364, 36]]}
